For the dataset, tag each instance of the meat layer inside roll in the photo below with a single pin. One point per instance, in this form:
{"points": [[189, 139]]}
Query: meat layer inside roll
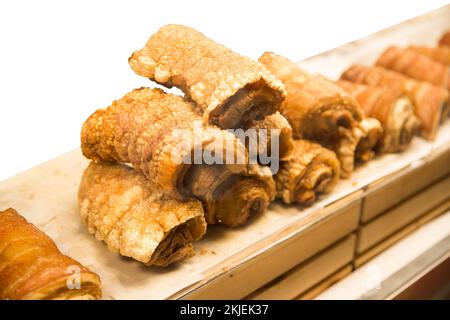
{"points": [[392, 108], [156, 133], [317, 109], [32, 267], [133, 218], [430, 102], [235, 199], [312, 170], [161, 136], [229, 89]]}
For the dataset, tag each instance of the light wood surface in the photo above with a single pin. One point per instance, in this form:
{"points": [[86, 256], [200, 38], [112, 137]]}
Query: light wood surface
{"points": [[326, 283], [403, 214], [244, 279], [400, 234], [390, 194], [311, 272]]}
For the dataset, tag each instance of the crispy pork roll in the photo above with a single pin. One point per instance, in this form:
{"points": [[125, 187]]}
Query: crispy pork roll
{"points": [[161, 136], [275, 127], [123, 209], [230, 89], [429, 101], [317, 109], [415, 65], [392, 108], [158, 134], [445, 39], [312, 170], [32, 267], [439, 54]]}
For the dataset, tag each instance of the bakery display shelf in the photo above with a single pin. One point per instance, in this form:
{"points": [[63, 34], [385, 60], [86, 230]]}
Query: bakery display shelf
{"points": [[234, 263]]}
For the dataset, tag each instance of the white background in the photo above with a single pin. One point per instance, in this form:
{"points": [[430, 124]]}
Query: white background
{"points": [[60, 61]]}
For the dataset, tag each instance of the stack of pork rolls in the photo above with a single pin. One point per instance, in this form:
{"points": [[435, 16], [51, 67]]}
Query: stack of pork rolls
{"points": [[161, 170], [164, 166], [420, 73]]}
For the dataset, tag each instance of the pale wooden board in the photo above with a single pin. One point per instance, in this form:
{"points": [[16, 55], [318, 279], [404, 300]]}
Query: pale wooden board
{"points": [[243, 279], [420, 244], [326, 283], [372, 252], [403, 214], [384, 195], [303, 277], [46, 195]]}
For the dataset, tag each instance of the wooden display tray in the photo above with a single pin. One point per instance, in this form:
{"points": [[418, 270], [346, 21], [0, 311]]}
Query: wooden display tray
{"points": [[369, 254], [403, 214], [232, 263], [386, 193], [274, 262], [226, 259], [308, 274], [326, 283]]}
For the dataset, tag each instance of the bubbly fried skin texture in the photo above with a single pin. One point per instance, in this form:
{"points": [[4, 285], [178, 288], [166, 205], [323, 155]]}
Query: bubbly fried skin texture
{"points": [[32, 267], [439, 54], [148, 128], [415, 65], [277, 126], [429, 101], [155, 132], [123, 209], [312, 170], [445, 39], [392, 108], [317, 109], [230, 89]]}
